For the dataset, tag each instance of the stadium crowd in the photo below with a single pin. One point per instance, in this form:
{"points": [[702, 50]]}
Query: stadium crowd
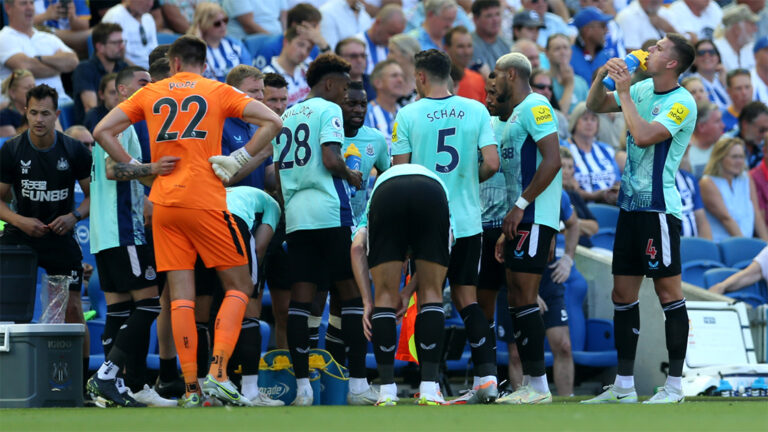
{"points": [[532, 146]]}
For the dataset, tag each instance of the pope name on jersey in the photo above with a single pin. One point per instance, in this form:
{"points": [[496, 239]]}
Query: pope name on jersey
{"points": [[444, 135], [314, 198]]}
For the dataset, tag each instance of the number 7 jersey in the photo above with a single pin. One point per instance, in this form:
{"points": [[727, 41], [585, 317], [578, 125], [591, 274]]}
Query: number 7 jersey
{"points": [[314, 199], [185, 116], [444, 135]]}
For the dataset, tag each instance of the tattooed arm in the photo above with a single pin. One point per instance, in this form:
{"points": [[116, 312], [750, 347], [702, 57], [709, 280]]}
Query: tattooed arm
{"points": [[145, 173]]}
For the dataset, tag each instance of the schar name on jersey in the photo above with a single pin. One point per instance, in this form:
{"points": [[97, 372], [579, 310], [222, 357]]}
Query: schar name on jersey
{"points": [[445, 113], [36, 190]]}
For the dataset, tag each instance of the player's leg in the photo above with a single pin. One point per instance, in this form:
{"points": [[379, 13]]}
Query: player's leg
{"points": [[334, 338], [316, 314], [203, 304], [386, 279], [169, 384], [277, 273], [556, 329], [281, 298], [506, 334]]}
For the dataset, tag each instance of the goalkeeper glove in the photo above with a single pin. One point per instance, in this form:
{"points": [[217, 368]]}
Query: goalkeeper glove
{"points": [[225, 167]]}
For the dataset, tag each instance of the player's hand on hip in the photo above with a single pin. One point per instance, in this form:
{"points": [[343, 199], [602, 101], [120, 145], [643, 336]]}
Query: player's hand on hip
{"points": [[165, 165], [498, 251], [33, 227], [63, 224], [225, 167], [355, 178], [367, 311], [542, 304], [511, 221]]}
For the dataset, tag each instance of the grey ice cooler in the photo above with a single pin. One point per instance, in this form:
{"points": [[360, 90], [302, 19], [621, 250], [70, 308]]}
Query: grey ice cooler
{"points": [[41, 365]]}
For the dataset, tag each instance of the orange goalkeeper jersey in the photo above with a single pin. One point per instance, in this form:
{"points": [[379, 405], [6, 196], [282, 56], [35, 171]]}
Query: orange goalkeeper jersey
{"points": [[185, 116]]}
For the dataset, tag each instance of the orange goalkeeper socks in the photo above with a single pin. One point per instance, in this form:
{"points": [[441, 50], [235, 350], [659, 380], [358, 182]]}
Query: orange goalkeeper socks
{"points": [[185, 338], [228, 324]]}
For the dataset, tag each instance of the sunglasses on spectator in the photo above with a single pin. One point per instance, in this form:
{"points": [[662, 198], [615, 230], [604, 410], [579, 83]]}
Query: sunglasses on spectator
{"points": [[542, 87], [356, 55], [221, 22], [706, 51]]}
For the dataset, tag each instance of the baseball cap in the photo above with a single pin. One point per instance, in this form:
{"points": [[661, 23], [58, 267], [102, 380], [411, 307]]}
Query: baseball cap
{"points": [[736, 14], [588, 15], [527, 18], [760, 44]]}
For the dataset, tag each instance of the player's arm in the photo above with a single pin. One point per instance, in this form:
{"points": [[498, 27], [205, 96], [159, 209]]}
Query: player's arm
{"points": [[490, 164], [752, 274], [360, 271], [278, 185], [63, 224], [33, 227], [714, 204], [262, 237], [703, 229], [599, 99], [562, 267], [252, 164], [334, 163]]}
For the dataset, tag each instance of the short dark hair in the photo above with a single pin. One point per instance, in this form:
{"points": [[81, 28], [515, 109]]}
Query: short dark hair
{"points": [[126, 74], [291, 33], [101, 32], [274, 80], [105, 80], [356, 85], [189, 49], [303, 12], [44, 91], [158, 52], [435, 63], [448, 38], [346, 41], [480, 5], [734, 73], [685, 51], [326, 64], [160, 69], [751, 111]]}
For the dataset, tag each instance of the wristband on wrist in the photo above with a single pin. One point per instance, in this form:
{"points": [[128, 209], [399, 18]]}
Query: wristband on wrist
{"points": [[521, 203], [241, 156], [77, 215]]}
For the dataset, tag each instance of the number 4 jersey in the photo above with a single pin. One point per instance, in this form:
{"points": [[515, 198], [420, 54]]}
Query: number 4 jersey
{"points": [[444, 136], [185, 116], [314, 199]]}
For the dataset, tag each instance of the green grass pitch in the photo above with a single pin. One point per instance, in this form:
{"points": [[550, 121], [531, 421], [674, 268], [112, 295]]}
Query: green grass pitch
{"points": [[698, 414]]}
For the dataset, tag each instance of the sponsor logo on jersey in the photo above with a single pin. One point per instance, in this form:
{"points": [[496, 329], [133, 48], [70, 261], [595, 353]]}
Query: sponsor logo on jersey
{"points": [[336, 121], [394, 132], [36, 190], [238, 138], [563, 315], [542, 114], [62, 165], [653, 265], [678, 113], [25, 166]]}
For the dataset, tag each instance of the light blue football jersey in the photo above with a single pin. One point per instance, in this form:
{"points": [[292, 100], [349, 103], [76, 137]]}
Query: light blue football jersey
{"points": [[444, 135], [530, 121], [314, 199], [374, 152], [250, 203], [648, 182], [493, 192], [117, 207]]}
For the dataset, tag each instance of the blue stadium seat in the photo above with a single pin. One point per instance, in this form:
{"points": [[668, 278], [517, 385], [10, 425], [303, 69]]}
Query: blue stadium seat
{"points": [[606, 215], [254, 44], [591, 339], [90, 44], [604, 238], [166, 38], [754, 295], [67, 116], [738, 252], [697, 256], [716, 275]]}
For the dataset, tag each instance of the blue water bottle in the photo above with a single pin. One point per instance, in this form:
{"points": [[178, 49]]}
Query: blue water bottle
{"points": [[633, 60], [354, 159]]}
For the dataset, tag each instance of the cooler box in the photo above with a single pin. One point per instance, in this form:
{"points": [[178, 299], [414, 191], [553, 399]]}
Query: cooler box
{"points": [[41, 365]]}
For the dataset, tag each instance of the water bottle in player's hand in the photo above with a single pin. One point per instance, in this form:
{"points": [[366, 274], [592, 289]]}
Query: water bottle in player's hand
{"points": [[354, 160], [633, 60]]}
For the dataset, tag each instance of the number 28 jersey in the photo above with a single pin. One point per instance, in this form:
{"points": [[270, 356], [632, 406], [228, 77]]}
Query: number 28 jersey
{"points": [[444, 136], [314, 199], [185, 116]]}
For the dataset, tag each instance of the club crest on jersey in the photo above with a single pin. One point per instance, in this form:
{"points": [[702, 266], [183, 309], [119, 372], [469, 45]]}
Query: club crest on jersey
{"points": [[542, 114], [25, 166], [656, 110], [336, 122], [62, 165], [150, 273], [369, 150]]}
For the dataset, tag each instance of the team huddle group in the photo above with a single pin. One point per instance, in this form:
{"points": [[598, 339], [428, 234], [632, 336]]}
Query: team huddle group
{"points": [[199, 248]]}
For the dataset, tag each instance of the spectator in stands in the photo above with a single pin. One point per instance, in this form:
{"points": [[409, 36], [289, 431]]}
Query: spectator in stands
{"points": [[736, 41], [696, 19], [760, 71], [108, 99], [589, 52], [68, 21], [753, 125], [739, 88], [709, 128], [306, 19], [342, 19], [389, 82], [758, 7], [569, 88], [275, 92], [292, 64], [759, 176], [553, 24], [526, 25], [643, 20], [81, 134], [24, 47], [255, 16], [402, 49], [755, 272], [488, 42], [587, 223], [108, 55], [729, 194], [614, 38], [389, 21], [712, 72], [530, 50], [595, 165], [458, 45], [14, 89], [696, 88], [541, 83], [354, 51], [694, 221], [224, 52], [440, 15], [139, 29], [178, 14]]}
